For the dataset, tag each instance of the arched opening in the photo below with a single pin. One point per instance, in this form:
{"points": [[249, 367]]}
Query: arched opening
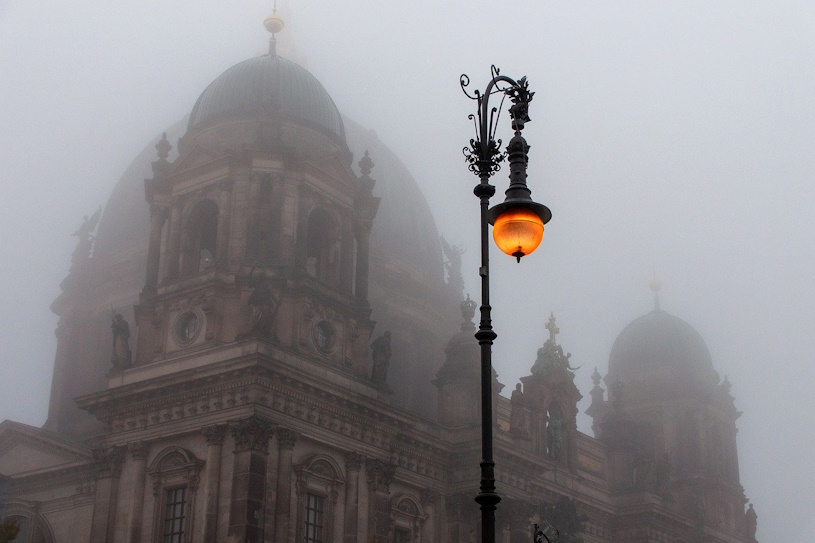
{"points": [[318, 482], [323, 247], [201, 236], [175, 474]]}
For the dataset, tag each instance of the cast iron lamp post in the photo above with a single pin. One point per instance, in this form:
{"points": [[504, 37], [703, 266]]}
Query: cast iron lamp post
{"points": [[517, 229]]}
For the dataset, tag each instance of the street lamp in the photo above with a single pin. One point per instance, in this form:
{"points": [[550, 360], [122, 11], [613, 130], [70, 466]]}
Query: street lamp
{"points": [[517, 229]]}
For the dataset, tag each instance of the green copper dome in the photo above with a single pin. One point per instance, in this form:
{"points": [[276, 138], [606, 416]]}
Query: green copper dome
{"points": [[268, 86]]}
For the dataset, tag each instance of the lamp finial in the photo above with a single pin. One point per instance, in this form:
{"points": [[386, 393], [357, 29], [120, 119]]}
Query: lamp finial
{"points": [[273, 24]]}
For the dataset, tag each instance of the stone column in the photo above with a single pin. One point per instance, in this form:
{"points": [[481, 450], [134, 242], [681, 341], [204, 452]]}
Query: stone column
{"points": [[252, 212], [285, 440], [365, 206], [174, 244], [251, 437], [347, 260], [429, 507], [138, 452], [224, 218], [380, 477], [351, 522], [363, 235], [215, 439], [157, 218], [109, 466], [304, 197]]}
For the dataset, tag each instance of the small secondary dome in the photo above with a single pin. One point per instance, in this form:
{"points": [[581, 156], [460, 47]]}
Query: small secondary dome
{"points": [[660, 346], [268, 86]]}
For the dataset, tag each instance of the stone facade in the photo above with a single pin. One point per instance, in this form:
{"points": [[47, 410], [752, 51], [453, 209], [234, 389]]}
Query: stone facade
{"points": [[260, 404]]}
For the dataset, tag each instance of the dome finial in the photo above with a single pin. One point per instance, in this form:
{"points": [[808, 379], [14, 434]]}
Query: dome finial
{"points": [[273, 24], [655, 285]]}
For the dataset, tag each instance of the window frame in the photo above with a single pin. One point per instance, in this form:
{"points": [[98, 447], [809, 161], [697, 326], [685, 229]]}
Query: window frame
{"points": [[172, 469], [320, 476], [407, 515], [166, 491], [323, 500]]}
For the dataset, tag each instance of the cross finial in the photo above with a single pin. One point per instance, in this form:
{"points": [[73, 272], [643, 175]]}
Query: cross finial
{"points": [[552, 327], [655, 285]]}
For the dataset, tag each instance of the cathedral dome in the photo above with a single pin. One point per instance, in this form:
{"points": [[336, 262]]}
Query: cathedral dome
{"points": [[408, 293], [660, 347], [268, 86]]}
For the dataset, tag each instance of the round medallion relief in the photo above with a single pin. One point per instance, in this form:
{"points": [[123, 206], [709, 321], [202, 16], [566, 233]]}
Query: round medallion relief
{"points": [[187, 327]]}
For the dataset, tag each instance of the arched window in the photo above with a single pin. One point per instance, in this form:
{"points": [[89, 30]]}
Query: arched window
{"points": [[323, 247], [407, 518], [200, 238], [318, 483], [175, 475]]}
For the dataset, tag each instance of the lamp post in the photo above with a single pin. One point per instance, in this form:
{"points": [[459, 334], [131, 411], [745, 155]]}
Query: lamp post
{"points": [[517, 229]]}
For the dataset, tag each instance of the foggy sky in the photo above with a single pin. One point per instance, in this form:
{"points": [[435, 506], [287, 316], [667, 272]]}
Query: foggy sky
{"points": [[668, 138]]}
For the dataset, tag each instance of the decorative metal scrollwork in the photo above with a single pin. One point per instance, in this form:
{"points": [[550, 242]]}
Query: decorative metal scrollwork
{"points": [[484, 153], [539, 536]]}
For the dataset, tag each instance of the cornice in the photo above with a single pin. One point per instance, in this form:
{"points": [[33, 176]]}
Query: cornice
{"points": [[81, 475]]}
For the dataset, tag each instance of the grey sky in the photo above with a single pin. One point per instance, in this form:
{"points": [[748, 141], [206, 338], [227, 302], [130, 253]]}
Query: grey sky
{"points": [[669, 137]]}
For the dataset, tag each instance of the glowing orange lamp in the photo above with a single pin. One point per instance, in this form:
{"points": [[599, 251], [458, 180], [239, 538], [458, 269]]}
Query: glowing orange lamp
{"points": [[518, 232], [517, 222]]}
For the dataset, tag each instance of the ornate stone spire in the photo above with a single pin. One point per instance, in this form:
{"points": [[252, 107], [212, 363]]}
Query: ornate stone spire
{"points": [[596, 377], [163, 149], [467, 314], [365, 165], [597, 409]]}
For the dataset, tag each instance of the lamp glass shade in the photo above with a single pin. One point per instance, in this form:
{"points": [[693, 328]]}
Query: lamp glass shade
{"points": [[518, 231]]}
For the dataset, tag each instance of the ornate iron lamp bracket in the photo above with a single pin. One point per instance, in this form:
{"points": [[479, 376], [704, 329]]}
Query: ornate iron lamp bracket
{"points": [[484, 153], [538, 535]]}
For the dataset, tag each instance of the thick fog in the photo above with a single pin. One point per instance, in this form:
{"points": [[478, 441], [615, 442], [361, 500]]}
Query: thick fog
{"points": [[675, 139]]}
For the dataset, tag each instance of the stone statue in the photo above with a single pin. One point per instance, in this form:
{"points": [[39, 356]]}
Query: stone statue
{"points": [[121, 357], [752, 522], [381, 354], [518, 420], [453, 265], [85, 235], [554, 436], [263, 308]]}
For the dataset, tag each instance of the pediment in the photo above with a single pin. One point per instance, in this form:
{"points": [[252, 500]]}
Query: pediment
{"points": [[26, 450]]}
